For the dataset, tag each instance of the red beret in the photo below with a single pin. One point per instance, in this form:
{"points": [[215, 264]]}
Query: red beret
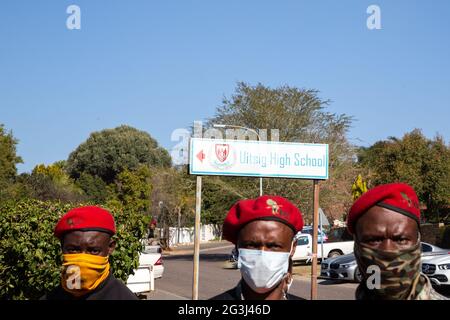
{"points": [[398, 197], [263, 208], [89, 218]]}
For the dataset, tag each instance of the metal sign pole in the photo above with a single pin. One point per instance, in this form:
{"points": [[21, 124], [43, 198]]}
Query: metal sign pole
{"points": [[321, 234], [198, 205], [314, 245]]}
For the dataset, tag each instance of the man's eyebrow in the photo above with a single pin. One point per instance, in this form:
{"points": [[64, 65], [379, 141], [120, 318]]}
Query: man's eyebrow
{"points": [[403, 235], [251, 242], [76, 246], [372, 235], [274, 243]]}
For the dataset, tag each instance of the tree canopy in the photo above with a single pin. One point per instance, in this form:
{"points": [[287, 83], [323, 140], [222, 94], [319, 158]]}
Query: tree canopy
{"points": [[8, 157], [423, 163], [107, 153]]}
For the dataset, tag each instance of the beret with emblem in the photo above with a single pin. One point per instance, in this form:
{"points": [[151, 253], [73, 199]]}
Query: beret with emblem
{"points": [[272, 208], [89, 218], [398, 197]]}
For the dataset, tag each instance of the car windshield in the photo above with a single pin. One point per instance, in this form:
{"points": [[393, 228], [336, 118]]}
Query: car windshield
{"points": [[426, 248], [302, 241]]}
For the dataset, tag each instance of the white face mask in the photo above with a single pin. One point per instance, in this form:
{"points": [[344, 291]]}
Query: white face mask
{"points": [[263, 270]]}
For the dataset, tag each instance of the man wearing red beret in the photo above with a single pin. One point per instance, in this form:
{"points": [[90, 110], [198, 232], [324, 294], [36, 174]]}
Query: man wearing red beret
{"points": [[263, 231], [86, 240], [385, 223]]}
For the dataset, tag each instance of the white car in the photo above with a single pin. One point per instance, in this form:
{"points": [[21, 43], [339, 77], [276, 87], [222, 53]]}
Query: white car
{"points": [[149, 262], [321, 235], [303, 251], [437, 268], [429, 251]]}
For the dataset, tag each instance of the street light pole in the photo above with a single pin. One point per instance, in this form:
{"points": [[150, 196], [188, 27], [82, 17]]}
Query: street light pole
{"points": [[161, 230], [259, 139]]}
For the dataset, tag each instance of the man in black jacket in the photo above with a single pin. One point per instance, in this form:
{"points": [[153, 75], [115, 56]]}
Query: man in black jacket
{"points": [[263, 231], [86, 240]]}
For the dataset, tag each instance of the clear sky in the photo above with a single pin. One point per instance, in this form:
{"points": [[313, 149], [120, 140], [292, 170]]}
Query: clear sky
{"points": [[160, 65]]}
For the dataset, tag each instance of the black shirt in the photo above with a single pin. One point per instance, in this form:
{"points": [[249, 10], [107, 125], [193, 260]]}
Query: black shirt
{"points": [[110, 289], [236, 294]]}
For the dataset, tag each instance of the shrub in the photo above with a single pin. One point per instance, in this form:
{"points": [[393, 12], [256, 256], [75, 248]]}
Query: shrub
{"points": [[30, 256]]}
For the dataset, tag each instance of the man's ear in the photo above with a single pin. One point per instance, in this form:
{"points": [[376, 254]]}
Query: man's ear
{"points": [[294, 246], [111, 246]]}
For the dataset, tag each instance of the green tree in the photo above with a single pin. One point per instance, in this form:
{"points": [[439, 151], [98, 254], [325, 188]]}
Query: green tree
{"points": [[218, 197], [413, 159], [133, 189], [107, 153], [51, 183], [8, 161], [93, 187]]}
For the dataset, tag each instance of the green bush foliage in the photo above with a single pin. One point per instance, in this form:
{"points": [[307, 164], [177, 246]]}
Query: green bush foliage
{"points": [[107, 153], [30, 256]]}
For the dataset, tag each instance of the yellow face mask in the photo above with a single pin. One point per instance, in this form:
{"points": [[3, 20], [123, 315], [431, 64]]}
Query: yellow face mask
{"points": [[82, 273]]}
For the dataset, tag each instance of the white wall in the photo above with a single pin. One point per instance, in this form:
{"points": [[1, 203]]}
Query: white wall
{"points": [[207, 232]]}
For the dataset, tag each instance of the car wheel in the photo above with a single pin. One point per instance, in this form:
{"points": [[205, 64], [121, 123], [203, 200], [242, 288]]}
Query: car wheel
{"points": [[358, 276]]}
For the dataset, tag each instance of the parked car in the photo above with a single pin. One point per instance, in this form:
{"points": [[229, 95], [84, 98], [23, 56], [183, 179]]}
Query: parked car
{"points": [[148, 260], [341, 268], [152, 249], [321, 234], [437, 268], [429, 251], [345, 267], [303, 251], [234, 255]]}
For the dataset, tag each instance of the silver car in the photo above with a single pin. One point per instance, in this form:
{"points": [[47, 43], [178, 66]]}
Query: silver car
{"points": [[345, 267], [340, 268]]}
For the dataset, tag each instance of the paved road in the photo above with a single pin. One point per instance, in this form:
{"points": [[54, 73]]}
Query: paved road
{"points": [[215, 278]]}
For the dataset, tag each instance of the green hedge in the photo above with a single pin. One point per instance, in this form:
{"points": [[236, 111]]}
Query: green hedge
{"points": [[30, 256]]}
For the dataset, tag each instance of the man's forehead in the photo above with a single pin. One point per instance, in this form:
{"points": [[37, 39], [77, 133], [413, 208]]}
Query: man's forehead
{"points": [[381, 220], [79, 236], [265, 229]]}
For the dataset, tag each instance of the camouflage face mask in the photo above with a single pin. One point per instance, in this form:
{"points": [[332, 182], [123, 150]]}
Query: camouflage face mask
{"points": [[399, 271]]}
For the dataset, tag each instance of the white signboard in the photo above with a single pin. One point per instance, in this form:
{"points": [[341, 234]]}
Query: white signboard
{"points": [[258, 159]]}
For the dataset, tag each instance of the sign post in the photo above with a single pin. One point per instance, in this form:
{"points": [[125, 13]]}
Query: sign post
{"points": [[248, 158], [198, 205], [314, 244]]}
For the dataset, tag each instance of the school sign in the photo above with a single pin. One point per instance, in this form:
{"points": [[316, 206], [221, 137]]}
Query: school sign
{"points": [[258, 159]]}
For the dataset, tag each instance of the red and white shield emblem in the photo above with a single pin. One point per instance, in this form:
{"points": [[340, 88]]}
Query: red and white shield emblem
{"points": [[222, 151]]}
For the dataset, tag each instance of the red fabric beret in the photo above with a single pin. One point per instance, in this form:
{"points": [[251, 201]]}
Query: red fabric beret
{"points": [[398, 197], [89, 218], [263, 208]]}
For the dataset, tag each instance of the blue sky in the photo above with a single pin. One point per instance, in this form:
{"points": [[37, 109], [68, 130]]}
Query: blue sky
{"points": [[160, 65]]}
